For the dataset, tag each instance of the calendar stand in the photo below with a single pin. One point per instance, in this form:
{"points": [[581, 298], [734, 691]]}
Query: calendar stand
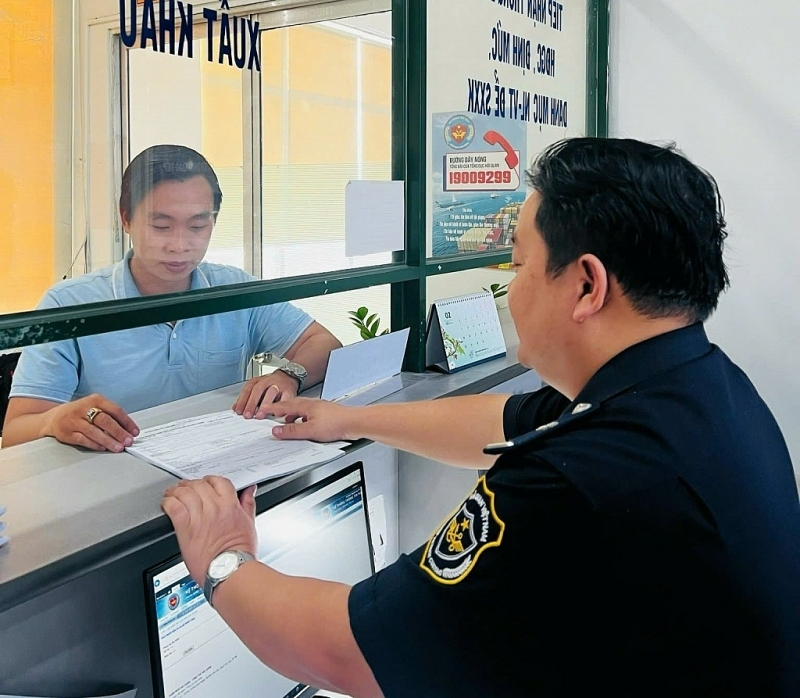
{"points": [[463, 331]]}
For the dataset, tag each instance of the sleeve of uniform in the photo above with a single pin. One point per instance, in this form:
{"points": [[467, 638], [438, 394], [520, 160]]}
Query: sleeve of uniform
{"points": [[427, 621], [523, 413], [277, 327], [48, 371]]}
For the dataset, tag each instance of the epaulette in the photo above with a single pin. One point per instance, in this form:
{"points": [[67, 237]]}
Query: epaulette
{"points": [[580, 411]]}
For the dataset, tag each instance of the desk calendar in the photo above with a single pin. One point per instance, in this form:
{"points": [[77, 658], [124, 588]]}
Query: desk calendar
{"points": [[463, 331]]}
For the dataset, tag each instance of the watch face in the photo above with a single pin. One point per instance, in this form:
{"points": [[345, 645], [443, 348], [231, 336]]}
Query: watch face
{"points": [[296, 369], [223, 565]]}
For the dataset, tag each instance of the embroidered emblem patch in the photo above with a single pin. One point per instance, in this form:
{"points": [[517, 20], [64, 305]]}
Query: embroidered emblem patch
{"points": [[454, 549]]}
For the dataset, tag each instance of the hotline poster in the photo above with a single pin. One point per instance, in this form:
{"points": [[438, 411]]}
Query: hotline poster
{"points": [[478, 181]]}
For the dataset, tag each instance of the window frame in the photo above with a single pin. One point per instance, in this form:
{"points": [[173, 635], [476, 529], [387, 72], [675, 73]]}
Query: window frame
{"points": [[410, 268]]}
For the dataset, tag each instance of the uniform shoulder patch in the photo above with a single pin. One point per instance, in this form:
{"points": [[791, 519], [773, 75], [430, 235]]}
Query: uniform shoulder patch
{"points": [[454, 549]]}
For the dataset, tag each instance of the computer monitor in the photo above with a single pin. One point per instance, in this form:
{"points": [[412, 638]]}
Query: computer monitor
{"points": [[316, 530]]}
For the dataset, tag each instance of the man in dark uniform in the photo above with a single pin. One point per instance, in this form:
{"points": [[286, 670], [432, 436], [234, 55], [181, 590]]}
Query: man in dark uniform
{"points": [[639, 533]]}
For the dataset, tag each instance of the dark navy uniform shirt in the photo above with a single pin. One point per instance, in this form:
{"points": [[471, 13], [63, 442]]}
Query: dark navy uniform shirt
{"points": [[641, 540]]}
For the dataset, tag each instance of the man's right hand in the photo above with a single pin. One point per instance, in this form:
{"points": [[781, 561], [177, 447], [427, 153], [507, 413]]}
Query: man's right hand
{"points": [[317, 420], [110, 430]]}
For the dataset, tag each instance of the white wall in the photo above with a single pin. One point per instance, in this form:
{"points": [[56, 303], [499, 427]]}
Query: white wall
{"points": [[720, 78]]}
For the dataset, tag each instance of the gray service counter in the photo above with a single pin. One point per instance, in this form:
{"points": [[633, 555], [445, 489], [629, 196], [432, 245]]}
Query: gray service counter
{"points": [[84, 526]]}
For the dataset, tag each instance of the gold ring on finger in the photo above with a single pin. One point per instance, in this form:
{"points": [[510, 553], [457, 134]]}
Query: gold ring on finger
{"points": [[91, 414]]}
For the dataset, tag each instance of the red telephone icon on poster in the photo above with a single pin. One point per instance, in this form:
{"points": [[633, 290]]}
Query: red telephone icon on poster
{"points": [[494, 138]]}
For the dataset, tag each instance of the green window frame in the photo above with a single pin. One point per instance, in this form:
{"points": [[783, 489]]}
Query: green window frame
{"points": [[409, 270]]}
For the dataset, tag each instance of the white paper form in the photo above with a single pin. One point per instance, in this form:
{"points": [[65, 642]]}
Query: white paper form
{"points": [[374, 217], [227, 444], [373, 363]]}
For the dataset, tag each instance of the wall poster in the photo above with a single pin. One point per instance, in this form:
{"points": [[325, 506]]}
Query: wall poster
{"points": [[502, 85]]}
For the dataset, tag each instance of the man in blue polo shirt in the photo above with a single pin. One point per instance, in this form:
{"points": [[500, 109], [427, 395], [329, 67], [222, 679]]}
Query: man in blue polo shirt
{"points": [[81, 390], [638, 530]]}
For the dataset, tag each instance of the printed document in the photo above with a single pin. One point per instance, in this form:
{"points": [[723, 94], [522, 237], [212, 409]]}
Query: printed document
{"points": [[227, 444]]}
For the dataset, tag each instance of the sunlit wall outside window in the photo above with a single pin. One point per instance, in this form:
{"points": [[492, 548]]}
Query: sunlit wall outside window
{"points": [[326, 120], [326, 100], [29, 149]]}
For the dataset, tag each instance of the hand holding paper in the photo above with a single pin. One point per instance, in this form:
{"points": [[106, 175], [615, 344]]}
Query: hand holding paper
{"points": [[209, 517]]}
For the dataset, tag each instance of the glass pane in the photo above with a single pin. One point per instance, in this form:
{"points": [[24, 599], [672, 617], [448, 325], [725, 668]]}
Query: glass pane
{"points": [[332, 311], [196, 103], [326, 120]]}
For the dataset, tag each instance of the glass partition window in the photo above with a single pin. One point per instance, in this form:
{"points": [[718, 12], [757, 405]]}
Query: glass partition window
{"points": [[326, 120], [199, 104], [284, 141], [333, 310], [322, 107]]}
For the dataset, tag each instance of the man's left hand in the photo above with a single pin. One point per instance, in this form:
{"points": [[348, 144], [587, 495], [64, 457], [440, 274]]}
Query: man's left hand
{"points": [[259, 393], [210, 518]]}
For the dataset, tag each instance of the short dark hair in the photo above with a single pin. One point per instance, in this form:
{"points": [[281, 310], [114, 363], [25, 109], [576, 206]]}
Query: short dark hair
{"points": [[160, 163], [652, 217]]}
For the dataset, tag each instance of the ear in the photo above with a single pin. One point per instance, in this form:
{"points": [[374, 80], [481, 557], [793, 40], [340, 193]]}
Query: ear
{"points": [[126, 223], [593, 282]]}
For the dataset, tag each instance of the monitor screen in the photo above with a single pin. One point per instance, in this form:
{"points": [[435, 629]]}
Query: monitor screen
{"points": [[319, 531]]}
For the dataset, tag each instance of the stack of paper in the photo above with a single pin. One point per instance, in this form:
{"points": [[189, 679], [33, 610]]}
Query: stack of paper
{"points": [[224, 443], [3, 538]]}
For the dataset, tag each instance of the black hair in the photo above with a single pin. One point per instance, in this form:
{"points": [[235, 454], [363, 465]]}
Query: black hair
{"points": [[160, 163], [654, 219]]}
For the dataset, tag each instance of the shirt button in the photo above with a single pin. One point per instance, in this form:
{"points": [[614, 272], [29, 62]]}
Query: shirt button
{"points": [[174, 335]]}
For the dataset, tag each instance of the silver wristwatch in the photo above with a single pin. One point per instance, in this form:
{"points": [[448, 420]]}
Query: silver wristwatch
{"points": [[222, 567], [295, 370]]}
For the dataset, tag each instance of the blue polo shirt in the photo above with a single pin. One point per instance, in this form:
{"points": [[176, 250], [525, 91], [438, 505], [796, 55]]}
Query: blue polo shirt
{"points": [[147, 366]]}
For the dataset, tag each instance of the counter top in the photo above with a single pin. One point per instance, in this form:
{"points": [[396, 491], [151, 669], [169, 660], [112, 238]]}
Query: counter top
{"points": [[70, 510]]}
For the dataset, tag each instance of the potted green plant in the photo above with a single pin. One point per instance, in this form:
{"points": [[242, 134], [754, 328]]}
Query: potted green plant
{"points": [[368, 324], [497, 290]]}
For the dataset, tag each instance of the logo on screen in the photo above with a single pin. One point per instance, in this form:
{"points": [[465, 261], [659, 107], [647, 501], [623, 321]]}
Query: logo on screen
{"points": [[173, 601]]}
